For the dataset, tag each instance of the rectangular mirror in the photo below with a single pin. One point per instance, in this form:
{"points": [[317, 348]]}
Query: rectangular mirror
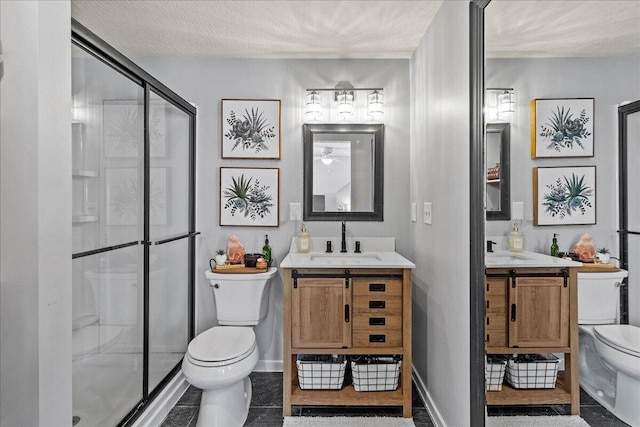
{"points": [[497, 162], [343, 172]]}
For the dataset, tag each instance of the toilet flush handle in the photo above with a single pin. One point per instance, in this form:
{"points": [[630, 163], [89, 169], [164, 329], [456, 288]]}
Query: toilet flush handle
{"points": [[620, 284], [216, 286]]}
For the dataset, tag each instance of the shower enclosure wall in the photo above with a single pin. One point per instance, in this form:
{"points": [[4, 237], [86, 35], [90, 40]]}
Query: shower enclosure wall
{"points": [[133, 233]]}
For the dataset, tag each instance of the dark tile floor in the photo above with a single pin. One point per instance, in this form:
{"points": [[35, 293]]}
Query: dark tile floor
{"points": [[266, 408]]}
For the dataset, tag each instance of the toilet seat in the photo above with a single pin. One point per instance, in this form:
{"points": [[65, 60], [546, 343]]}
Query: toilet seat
{"points": [[221, 346], [625, 338]]}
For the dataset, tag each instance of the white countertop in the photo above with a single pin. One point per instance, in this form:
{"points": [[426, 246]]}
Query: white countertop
{"points": [[506, 259], [376, 253]]}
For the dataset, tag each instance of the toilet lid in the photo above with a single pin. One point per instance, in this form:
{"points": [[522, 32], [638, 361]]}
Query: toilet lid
{"points": [[222, 344], [625, 338]]}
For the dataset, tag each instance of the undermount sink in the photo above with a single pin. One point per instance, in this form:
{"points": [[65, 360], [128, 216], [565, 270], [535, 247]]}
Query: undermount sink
{"points": [[351, 258]]}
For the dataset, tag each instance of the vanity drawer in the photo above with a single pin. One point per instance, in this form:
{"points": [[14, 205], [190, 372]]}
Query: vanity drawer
{"points": [[377, 323], [373, 338], [377, 306], [496, 321], [496, 303], [496, 286], [375, 287], [495, 338]]}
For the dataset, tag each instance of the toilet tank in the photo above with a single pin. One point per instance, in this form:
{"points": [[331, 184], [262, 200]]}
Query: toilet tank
{"points": [[599, 297], [241, 299]]}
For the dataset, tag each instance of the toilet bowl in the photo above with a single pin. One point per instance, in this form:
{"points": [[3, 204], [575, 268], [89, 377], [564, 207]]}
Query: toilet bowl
{"points": [[220, 359], [609, 356]]}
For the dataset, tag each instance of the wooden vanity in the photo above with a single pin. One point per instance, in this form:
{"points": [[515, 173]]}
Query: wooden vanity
{"points": [[534, 310], [346, 311]]}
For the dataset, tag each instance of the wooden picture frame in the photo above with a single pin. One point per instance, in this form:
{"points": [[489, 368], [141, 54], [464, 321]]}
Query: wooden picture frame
{"points": [[250, 196], [564, 195], [251, 129], [562, 127]]}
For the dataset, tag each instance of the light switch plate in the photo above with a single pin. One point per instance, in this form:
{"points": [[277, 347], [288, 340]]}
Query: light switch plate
{"points": [[295, 213], [428, 213], [414, 212]]}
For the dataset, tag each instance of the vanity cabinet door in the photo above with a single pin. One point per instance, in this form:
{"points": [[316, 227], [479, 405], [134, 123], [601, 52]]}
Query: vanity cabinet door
{"points": [[321, 313], [496, 306], [538, 312]]}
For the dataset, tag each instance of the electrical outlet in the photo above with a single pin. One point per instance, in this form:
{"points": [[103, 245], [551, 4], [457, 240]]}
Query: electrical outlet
{"points": [[428, 213], [294, 212], [414, 212]]}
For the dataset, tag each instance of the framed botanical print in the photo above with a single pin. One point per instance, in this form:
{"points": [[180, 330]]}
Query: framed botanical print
{"points": [[562, 127], [250, 196], [251, 128], [564, 195]]}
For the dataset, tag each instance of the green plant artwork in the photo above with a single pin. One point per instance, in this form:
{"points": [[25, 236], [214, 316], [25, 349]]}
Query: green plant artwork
{"points": [[246, 196], [565, 131], [567, 196], [251, 131]]}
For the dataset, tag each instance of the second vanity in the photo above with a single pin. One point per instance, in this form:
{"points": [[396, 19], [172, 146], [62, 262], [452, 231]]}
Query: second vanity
{"points": [[347, 304], [532, 307]]}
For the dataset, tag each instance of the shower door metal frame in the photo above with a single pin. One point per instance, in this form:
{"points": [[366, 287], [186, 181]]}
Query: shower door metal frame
{"points": [[98, 48], [623, 112]]}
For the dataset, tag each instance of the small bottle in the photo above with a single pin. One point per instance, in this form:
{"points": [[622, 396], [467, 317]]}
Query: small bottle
{"points": [[516, 239], [554, 245], [266, 250], [304, 240]]}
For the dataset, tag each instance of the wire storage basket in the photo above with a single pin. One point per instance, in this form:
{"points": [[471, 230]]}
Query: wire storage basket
{"points": [[375, 373], [321, 372], [532, 371], [494, 370]]}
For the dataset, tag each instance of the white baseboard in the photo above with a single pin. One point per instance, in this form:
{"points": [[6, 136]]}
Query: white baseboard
{"points": [[158, 410], [435, 415], [269, 366]]}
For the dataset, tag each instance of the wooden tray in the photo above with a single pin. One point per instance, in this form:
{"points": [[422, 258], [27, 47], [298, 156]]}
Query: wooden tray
{"points": [[237, 269], [594, 268]]}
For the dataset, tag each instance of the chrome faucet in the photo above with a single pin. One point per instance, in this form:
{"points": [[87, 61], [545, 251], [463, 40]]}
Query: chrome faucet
{"points": [[343, 247]]}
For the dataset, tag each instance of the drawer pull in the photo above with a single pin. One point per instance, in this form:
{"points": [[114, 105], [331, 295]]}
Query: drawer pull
{"points": [[346, 313], [377, 304], [513, 312], [376, 287], [377, 338], [377, 321]]}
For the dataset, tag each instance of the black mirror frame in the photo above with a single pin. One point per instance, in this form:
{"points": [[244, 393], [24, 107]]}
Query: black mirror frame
{"points": [[504, 129], [309, 131]]}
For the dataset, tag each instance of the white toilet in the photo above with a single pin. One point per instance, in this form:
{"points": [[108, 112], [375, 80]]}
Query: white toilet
{"points": [[220, 359], [609, 352]]}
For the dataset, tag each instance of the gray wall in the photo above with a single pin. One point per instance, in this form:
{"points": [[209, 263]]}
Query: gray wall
{"points": [[206, 81], [610, 81], [35, 214], [439, 174]]}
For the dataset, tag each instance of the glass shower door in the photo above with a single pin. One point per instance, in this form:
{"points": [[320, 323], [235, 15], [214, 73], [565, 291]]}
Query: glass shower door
{"points": [[630, 209], [169, 237], [107, 337]]}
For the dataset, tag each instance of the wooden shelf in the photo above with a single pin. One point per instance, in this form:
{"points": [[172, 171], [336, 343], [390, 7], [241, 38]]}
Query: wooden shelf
{"points": [[347, 396], [493, 181], [541, 396], [527, 350], [358, 350]]}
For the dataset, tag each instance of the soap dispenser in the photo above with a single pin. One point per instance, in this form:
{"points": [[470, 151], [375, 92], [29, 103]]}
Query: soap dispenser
{"points": [[516, 239], [304, 240], [554, 245]]}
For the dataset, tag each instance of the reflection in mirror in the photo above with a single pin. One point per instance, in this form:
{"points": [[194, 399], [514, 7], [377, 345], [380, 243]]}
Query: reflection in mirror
{"points": [[498, 176], [343, 168]]}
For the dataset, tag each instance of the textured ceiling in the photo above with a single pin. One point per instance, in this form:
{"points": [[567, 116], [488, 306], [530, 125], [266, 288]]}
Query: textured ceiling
{"points": [[267, 29], [354, 29]]}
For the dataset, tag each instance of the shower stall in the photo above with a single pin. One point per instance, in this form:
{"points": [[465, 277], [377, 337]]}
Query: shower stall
{"points": [[133, 144]]}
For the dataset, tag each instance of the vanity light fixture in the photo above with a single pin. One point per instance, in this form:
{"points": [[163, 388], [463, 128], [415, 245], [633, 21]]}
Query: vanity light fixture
{"points": [[500, 104], [375, 106], [344, 97], [314, 106]]}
